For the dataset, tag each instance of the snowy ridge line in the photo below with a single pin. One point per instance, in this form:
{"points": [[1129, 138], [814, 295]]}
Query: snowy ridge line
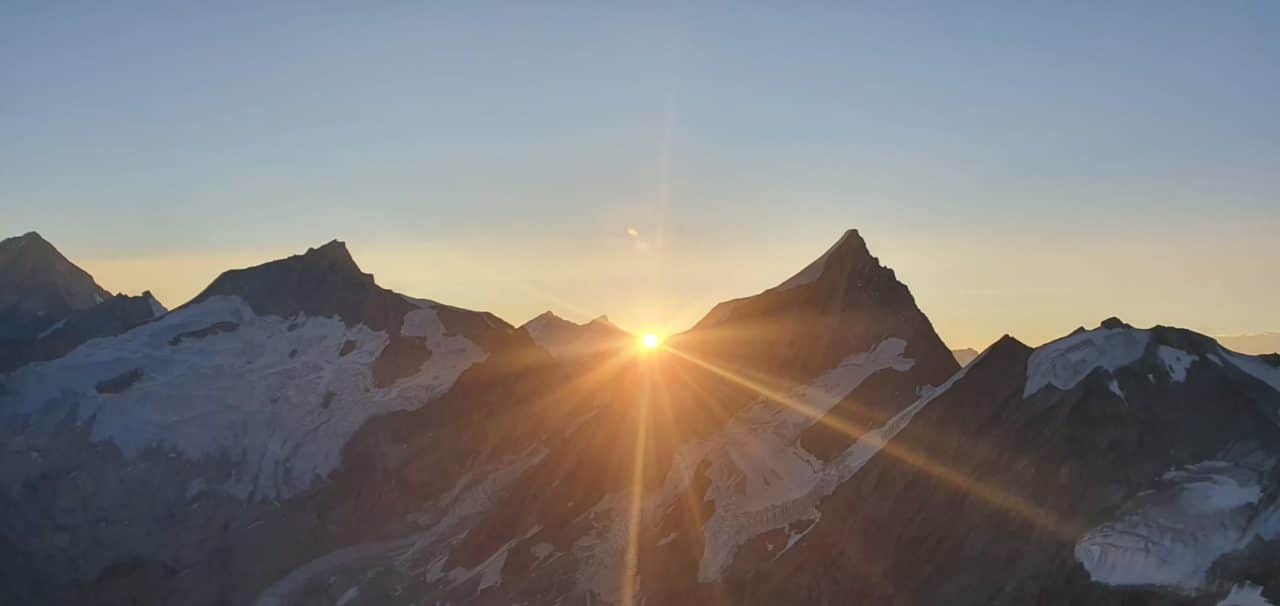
{"points": [[1067, 361]]}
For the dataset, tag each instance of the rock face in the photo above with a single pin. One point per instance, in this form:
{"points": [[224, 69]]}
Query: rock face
{"points": [[269, 443], [108, 318], [842, 303], [39, 287]]}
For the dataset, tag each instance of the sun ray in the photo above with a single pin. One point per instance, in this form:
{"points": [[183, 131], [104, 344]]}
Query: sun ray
{"points": [[990, 495], [631, 561], [690, 500]]}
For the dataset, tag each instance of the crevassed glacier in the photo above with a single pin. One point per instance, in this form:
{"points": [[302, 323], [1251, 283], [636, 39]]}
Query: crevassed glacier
{"points": [[273, 394], [1172, 535]]}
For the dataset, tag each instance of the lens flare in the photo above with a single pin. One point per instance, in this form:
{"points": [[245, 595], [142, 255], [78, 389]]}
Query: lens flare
{"points": [[650, 341]]}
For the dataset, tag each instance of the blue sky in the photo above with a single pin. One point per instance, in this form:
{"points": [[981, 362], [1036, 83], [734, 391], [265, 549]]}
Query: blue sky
{"points": [[1026, 169]]}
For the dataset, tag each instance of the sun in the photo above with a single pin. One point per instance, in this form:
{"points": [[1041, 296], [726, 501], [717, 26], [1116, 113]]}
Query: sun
{"points": [[650, 341]]}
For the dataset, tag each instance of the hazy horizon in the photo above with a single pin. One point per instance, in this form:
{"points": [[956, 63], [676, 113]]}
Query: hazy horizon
{"points": [[1025, 170], [187, 286]]}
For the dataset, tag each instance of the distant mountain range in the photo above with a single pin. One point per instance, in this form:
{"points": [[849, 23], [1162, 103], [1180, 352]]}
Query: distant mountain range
{"points": [[965, 356], [298, 434]]}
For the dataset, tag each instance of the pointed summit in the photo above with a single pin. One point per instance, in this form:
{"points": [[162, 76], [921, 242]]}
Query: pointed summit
{"points": [[603, 319], [545, 323], [545, 318], [335, 253], [39, 286], [323, 281], [850, 251], [843, 304]]}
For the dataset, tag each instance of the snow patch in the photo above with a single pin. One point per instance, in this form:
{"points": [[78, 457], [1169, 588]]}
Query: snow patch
{"points": [[1245, 594], [1065, 362], [1114, 386], [348, 596], [52, 329], [1176, 361]]}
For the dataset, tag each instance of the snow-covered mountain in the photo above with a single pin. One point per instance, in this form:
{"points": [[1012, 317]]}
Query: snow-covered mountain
{"points": [[299, 435]]}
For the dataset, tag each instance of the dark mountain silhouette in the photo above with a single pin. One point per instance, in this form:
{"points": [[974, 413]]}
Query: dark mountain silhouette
{"points": [[39, 287]]}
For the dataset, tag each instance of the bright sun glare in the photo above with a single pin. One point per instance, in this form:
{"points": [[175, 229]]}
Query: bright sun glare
{"points": [[650, 341]]}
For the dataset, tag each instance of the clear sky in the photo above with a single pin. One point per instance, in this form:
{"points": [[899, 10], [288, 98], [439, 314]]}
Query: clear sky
{"points": [[1025, 169]]}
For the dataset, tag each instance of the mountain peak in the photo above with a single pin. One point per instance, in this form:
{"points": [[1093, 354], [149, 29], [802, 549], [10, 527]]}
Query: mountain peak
{"points": [[331, 256], [546, 322], [40, 286], [17, 241], [30, 243], [843, 303], [850, 251], [545, 316], [562, 338], [333, 248], [1113, 323], [323, 281]]}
